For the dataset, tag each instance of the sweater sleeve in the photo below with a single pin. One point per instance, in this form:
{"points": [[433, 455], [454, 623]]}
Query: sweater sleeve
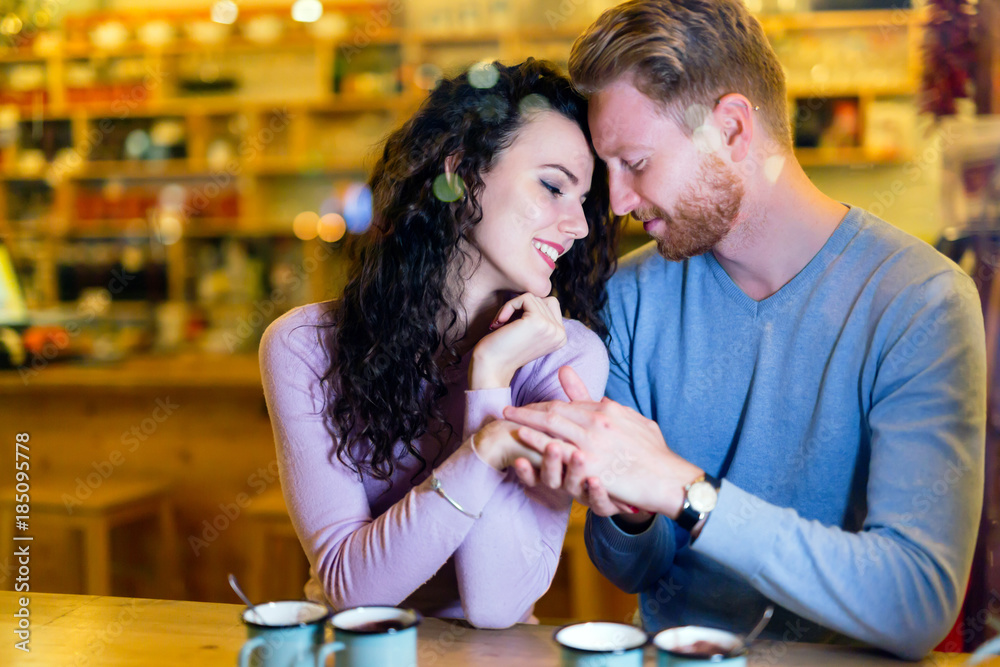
{"points": [[631, 561], [509, 557], [359, 560], [898, 583]]}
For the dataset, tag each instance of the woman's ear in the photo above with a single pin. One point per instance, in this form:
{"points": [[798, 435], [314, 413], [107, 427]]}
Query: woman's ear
{"points": [[451, 164]]}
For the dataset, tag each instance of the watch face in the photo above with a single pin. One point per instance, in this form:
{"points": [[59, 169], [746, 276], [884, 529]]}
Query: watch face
{"points": [[702, 497]]}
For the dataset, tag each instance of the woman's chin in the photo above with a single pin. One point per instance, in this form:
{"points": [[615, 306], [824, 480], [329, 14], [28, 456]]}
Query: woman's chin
{"points": [[541, 287], [541, 290]]}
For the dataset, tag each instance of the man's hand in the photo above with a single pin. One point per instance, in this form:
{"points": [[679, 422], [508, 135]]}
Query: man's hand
{"points": [[623, 450], [499, 444], [556, 472]]}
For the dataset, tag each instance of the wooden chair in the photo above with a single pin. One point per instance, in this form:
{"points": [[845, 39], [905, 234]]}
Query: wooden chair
{"points": [[269, 523], [115, 501]]}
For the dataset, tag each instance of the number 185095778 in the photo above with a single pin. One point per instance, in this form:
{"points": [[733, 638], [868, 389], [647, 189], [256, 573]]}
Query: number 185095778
{"points": [[22, 465]]}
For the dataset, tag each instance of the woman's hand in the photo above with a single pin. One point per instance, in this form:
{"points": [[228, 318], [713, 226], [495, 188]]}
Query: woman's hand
{"points": [[512, 344], [499, 445], [556, 473]]}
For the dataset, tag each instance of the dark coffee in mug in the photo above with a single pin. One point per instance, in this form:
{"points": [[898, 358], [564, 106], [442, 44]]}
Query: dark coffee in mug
{"points": [[390, 625], [701, 649]]}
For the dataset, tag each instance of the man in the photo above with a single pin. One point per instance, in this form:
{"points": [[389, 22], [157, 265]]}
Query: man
{"points": [[797, 393]]}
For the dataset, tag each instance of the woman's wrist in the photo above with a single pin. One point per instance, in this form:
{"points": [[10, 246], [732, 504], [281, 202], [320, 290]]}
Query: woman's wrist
{"points": [[485, 451], [484, 375]]}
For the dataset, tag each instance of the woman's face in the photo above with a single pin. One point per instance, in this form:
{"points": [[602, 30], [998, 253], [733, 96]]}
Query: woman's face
{"points": [[532, 206]]}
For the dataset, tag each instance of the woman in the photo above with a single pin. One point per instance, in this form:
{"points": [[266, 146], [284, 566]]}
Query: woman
{"points": [[485, 201]]}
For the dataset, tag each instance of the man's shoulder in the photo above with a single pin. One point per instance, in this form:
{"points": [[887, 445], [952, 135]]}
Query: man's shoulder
{"points": [[906, 272], [895, 251]]}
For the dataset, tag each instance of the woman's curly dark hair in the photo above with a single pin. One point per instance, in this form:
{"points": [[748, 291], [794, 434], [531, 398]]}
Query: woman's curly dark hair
{"points": [[387, 346]]}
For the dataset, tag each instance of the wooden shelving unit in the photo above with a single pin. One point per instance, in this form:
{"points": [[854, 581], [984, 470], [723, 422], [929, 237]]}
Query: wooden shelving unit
{"points": [[317, 141]]}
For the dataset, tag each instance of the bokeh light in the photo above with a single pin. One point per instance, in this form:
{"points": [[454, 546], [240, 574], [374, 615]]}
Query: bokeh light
{"points": [[332, 227], [448, 187], [169, 228], [696, 114], [707, 138], [225, 12], [305, 225], [172, 197], [483, 75], [265, 29], [358, 208], [533, 103], [307, 11], [113, 190], [10, 24], [773, 166], [136, 144], [155, 33]]}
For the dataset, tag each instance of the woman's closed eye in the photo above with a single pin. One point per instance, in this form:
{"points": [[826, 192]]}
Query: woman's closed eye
{"points": [[556, 192]]}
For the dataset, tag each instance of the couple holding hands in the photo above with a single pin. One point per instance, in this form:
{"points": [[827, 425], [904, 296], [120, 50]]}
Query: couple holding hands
{"points": [[779, 400]]}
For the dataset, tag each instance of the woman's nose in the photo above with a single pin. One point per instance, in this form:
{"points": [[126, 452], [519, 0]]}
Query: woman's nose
{"points": [[574, 224]]}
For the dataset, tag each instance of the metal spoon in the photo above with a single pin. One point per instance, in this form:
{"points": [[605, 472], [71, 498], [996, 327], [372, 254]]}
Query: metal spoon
{"points": [[761, 624], [243, 596]]}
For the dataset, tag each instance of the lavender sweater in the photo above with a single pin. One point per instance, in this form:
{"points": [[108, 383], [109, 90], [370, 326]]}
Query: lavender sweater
{"points": [[398, 542]]}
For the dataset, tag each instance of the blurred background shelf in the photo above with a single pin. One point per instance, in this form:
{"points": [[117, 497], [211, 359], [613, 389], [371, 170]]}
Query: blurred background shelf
{"points": [[143, 112]]}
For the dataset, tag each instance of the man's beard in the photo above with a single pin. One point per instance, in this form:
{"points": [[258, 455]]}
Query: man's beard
{"points": [[704, 214]]}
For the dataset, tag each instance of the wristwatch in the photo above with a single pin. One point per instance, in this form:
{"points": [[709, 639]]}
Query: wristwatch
{"points": [[700, 497]]}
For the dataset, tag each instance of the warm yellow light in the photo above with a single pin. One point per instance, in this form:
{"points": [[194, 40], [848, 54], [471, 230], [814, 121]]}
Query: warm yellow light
{"points": [[225, 12], [332, 227], [305, 226], [11, 24], [307, 11], [170, 229]]}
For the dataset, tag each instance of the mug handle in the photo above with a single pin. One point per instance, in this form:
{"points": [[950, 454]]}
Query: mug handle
{"points": [[324, 652], [248, 649]]}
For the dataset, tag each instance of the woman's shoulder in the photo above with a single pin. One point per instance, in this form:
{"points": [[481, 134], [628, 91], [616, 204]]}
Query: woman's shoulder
{"points": [[584, 351], [580, 338], [583, 346], [300, 331]]}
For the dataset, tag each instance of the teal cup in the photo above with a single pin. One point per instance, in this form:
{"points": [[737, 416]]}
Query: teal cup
{"points": [[694, 646], [286, 634], [601, 644], [377, 636]]}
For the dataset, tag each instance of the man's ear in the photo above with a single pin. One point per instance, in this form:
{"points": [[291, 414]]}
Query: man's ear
{"points": [[736, 118]]}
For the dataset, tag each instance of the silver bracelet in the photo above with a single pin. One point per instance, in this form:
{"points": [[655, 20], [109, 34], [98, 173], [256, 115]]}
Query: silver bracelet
{"points": [[436, 486]]}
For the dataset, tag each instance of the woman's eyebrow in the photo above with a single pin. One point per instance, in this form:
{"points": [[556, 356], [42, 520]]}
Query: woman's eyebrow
{"points": [[573, 179]]}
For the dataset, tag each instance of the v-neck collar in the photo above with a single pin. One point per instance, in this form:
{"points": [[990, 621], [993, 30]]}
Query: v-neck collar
{"points": [[844, 232]]}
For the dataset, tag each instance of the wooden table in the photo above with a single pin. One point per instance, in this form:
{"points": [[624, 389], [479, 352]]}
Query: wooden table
{"points": [[87, 630]]}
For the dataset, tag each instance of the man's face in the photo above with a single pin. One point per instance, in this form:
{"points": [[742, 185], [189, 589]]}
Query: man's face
{"points": [[687, 198]]}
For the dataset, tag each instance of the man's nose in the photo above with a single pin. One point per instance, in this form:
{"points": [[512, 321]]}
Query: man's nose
{"points": [[623, 198]]}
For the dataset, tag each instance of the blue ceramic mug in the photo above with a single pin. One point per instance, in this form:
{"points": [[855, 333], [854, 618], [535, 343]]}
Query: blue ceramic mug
{"points": [[376, 636], [694, 646], [601, 644], [286, 634]]}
